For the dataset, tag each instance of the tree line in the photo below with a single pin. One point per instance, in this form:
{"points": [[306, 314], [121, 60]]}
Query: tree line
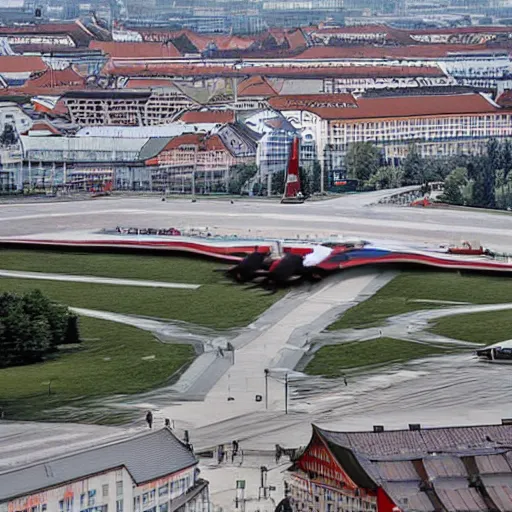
{"points": [[32, 327], [474, 180]]}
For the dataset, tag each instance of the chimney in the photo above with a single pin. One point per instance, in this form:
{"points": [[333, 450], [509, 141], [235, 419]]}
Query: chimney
{"points": [[378, 428], [414, 426]]}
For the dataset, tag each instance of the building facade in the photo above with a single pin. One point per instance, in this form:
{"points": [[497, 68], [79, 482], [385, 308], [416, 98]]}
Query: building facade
{"points": [[440, 126], [414, 470], [150, 473]]}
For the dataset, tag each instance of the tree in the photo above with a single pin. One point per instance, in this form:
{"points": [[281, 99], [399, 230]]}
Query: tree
{"points": [[239, 175], [414, 167], [31, 326], [278, 181], [362, 160], [305, 182], [316, 177], [386, 177], [506, 158], [454, 186]]}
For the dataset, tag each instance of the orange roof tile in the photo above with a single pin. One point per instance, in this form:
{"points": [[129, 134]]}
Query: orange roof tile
{"points": [[127, 50], [256, 86], [159, 68], [505, 99], [21, 64], [52, 78], [296, 39], [203, 142], [44, 126], [345, 107], [208, 116]]}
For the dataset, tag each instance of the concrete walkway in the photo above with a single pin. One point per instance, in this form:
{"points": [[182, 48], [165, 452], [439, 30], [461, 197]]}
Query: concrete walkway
{"points": [[234, 395], [411, 326], [15, 274]]}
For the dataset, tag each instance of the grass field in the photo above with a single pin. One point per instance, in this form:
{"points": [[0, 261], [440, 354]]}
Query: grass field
{"points": [[332, 360], [168, 268], [397, 297], [108, 362], [487, 327], [216, 304]]}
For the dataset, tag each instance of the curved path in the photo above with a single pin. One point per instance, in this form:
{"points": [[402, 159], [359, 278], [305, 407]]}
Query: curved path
{"points": [[411, 326], [16, 274]]}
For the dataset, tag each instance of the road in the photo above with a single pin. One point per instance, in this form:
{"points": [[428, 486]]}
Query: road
{"points": [[349, 215]]}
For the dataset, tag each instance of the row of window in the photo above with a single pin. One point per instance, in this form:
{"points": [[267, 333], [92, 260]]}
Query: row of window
{"points": [[172, 489]]}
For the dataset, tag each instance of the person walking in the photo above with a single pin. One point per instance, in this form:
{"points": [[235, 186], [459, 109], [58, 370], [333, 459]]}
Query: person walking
{"points": [[149, 419]]}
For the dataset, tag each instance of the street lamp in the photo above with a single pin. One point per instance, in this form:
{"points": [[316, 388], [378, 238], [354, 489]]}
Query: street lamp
{"points": [[267, 371], [286, 393]]}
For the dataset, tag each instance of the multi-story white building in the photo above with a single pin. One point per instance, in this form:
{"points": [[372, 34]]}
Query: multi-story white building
{"points": [[439, 125], [154, 472]]}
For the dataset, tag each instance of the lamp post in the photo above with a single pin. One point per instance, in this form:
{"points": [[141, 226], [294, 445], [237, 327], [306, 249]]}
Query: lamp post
{"points": [[286, 393], [266, 387]]}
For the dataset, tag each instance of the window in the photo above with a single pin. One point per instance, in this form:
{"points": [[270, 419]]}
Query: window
{"points": [[164, 507], [105, 490], [119, 488], [119, 506], [82, 500], [91, 498], [44, 507], [145, 498], [163, 490], [152, 495], [61, 505], [136, 504]]}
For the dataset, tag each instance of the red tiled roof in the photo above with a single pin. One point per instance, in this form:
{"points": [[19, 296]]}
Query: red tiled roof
{"points": [[426, 51], [505, 99], [256, 86], [78, 33], [296, 39], [208, 116], [426, 440], [202, 141], [332, 106], [44, 126], [135, 50], [52, 78], [158, 68], [200, 41], [21, 64]]}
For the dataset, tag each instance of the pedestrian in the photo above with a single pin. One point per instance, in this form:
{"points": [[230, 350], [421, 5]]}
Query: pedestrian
{"points": [[345, 381], [380, 333], [149, 419], [234, 451]]}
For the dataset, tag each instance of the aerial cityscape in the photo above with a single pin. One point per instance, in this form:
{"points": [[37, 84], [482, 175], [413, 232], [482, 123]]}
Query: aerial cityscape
{"points": [[255, 256]]}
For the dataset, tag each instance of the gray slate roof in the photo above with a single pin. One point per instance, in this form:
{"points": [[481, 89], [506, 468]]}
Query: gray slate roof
{"points": [[146, 457]]}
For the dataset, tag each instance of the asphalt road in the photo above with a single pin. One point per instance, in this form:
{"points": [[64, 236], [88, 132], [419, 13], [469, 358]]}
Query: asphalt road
{"points": [[348, 215]]}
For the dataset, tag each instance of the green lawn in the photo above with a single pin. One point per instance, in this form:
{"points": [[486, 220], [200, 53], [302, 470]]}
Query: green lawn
{"points": [[108, 362], [397, 296], [216, 305], [169, 268], [331, 361], [488, 327]]}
